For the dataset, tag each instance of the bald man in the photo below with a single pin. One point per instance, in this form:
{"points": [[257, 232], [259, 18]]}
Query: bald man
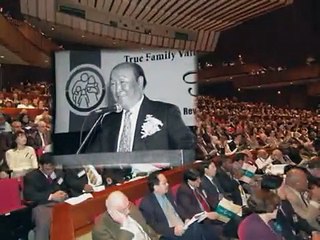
{"points": [[143, 124], [122, 221], [296, 192]]}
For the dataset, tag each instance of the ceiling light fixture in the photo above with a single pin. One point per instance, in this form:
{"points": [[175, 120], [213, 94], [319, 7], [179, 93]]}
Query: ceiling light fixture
{"points": [[1, 56]]}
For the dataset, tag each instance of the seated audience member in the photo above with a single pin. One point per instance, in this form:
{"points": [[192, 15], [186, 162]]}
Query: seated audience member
{"points": [[258, 225], [26, 123], [9, 104], [286, 219], [40, 138], [21, 158], [224, 175], [82, 180], [1, 99], [7, 137], [15, 99], [35, 102], [45, 187], [190, 197], [24, 104], [44, 116], [122, 221], [41, 105], [314, 167], [160, 211], [4, 125], [241, 158], [296, 193], [278, 158], [210, 184]]}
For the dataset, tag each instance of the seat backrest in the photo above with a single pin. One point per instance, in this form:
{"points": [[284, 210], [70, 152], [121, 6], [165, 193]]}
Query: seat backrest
{"points": [[137, 201], [174, 190], [10, 198]]}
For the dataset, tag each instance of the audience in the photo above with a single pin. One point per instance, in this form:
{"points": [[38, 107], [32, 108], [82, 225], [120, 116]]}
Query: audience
{"points": [[225, 126]]}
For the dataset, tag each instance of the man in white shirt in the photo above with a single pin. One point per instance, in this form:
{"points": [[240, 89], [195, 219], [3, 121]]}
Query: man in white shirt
{"points": [[122, 221]]}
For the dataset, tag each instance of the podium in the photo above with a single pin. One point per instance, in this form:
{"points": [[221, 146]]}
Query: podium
{"points": [[112, 159]]}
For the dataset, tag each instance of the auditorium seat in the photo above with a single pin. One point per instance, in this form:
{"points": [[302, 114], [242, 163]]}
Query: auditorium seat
{"points": [[10, 195], [15, 218], [174, 189]]}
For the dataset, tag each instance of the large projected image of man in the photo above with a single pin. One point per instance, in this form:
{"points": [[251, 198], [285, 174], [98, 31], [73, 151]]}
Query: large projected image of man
{"points": [[143, 124]]}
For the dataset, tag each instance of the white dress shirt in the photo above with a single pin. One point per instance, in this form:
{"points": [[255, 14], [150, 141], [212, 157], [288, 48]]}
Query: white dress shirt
{"points": [[133, 119], [134, 227]]}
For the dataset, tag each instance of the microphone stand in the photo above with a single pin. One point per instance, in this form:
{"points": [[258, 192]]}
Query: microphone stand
{"points": [[90, 132]]}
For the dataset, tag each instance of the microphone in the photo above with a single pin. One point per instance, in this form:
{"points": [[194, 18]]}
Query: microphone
{"points": [[115, 108]]}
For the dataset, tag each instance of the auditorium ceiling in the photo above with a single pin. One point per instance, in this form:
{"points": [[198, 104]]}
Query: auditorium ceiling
{"points": [[282, 45], [181, 24]]}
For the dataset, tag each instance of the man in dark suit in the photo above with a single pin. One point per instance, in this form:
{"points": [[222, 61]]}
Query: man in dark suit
{"points": [[40, 138], [45, 187], [224, 175], [161, 213], [122, 221], [210, 184], [143, 124], [191, 199]]}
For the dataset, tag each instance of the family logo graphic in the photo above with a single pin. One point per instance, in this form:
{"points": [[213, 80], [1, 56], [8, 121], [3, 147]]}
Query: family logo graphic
{"points": [[85, 88]]}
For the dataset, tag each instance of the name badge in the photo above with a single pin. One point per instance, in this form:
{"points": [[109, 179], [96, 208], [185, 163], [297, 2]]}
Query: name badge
{"points": [[81, 173], [204, 193], [60, 181]]}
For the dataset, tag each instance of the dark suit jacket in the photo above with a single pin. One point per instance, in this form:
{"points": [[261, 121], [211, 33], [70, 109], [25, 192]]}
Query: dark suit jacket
{"points": [[229, 186], [186, 201], [6, 140], [38, 189], [106, 228], [211, 192], [291, 224], [154, 215], [35, 140], [74, 183], [174, 134]]}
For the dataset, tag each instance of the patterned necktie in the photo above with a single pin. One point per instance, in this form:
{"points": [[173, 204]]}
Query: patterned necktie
{"points": [[125, 140], [50, 180], [91, 176], [202, 201]]}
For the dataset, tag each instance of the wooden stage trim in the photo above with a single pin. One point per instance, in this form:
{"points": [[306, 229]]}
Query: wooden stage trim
{"points": [[69, 222], [14, 112]]}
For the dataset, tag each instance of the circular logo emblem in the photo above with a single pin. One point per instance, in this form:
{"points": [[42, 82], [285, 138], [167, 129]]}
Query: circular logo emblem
{"points": [[85, 88]]}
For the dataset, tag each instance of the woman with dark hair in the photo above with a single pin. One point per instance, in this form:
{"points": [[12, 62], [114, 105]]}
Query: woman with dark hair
{"points": [[258, 225], [25, 121], [21, 158]]}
